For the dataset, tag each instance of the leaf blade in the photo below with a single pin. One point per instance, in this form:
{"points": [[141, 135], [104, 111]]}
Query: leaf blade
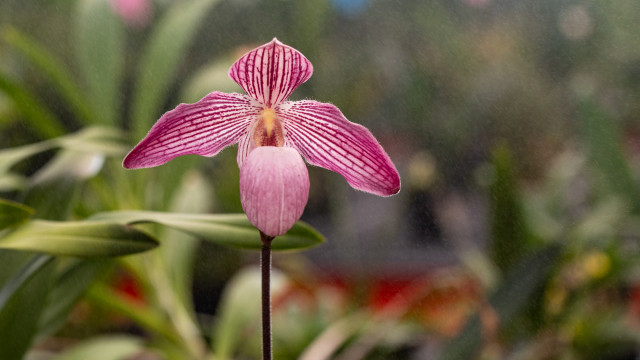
{"points": [[40, 119], [100, 53], [58, 75], [13, 213], [20, 315], [603, 141], [161, 55], [226, 229], [111, 347], [79, 238]]}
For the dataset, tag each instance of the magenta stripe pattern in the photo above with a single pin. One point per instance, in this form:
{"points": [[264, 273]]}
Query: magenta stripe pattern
{"points": [[327, 139], [245, 145], [270, 73], [203, 128]]}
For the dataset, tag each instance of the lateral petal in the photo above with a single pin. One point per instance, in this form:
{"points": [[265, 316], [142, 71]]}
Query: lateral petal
{"points": [[271, 72], [327, 139], [202, 128], [245, 146], [274, 188]]}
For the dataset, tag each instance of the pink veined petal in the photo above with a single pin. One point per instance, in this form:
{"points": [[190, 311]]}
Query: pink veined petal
{"points": [[271, 72], [203, 128], [274, 188], [326, 138], [245, 146]]}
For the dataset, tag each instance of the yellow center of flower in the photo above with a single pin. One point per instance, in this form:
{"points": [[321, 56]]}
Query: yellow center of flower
{"points": [[268, 131], [269, 118]]}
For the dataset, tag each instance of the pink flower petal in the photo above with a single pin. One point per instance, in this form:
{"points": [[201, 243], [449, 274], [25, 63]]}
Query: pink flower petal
{"points": [[245, 146], [133, 12], [203, 128], [274, 188], [271, 72], [326, 138]]}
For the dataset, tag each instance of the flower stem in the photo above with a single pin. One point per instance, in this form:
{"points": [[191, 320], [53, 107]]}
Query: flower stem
{"points": [[265, 264]]}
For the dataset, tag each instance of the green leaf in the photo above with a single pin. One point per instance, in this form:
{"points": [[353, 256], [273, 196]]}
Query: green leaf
{"points": [[12, 213], [112, 347], [38, 118], [20, 315], [511, 296], [509, 232], [79, 238], [161, 55], [11, 156], [240, 310], [95, 139], [602, 138], [147, 317], [178, 248], [12, 182], [211, 76], [72, 283], [54, 189], [100, 52], [227, 229], [58, 75], [98, 140], [23, 275]]}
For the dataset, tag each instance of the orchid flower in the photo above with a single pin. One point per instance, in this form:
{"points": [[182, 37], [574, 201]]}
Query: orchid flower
{"points": [[272, 134], [136, 13]]}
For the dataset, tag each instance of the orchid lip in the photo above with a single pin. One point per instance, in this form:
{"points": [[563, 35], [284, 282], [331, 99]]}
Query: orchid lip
{"points": [[274, 188]]}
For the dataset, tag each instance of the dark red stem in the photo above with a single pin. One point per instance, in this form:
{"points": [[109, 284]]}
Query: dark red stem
{"points": [[265, 264]]}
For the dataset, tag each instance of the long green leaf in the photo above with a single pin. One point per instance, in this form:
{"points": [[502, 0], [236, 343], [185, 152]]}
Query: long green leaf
{"points": [[509, 232], [12, 182], [162, 54], [12, 213], [58, 75], [12, 156], [55, 189], [178, 248], [20, 315], [38, 118], [147, 317], [95, 139], [100, 52], [603, 141], [31, 268], [79, 238], [72, 283], [239, 310], [112, 347], [98, 140], [227, 229]]}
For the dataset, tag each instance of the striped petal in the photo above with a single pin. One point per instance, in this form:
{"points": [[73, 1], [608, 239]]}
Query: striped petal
{"points": [[274, 188], [326, 138], [271, 72], [203, 128], [245, 146]]}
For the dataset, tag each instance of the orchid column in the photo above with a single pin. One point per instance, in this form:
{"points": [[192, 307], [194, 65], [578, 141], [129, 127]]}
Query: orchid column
{"points": [[272, 135]]}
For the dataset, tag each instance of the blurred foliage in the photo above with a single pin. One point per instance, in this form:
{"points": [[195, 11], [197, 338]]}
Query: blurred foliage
{"points": [[529, 108]]}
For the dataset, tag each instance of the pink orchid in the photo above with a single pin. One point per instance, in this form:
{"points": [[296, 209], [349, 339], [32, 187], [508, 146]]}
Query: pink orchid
{"points": [[271, 133], [136, 13]]}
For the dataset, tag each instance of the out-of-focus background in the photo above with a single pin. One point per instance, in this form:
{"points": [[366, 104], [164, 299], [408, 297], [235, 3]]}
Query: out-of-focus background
{"points": [[514, 125]]}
